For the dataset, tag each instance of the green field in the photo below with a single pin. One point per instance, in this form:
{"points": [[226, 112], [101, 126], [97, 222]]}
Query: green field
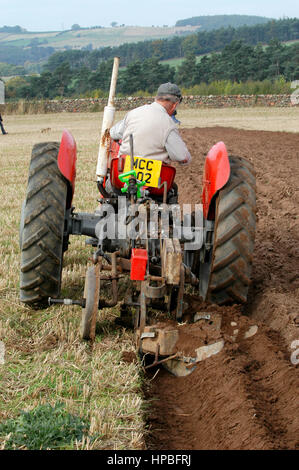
{"points": [[98, 37], [178, 61]]}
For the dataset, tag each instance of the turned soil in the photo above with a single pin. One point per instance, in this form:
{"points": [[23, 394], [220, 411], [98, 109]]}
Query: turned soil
{"points": [[245, 397]]}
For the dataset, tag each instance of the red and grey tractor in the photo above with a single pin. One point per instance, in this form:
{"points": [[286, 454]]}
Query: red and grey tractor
{"points": [[219, 236]]}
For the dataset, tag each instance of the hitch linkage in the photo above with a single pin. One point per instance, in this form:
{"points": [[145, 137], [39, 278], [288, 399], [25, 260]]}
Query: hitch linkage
{"points": [[52, 301]]}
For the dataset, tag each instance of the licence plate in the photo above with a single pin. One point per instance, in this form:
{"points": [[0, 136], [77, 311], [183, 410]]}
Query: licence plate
{"points": [[148, 171]]}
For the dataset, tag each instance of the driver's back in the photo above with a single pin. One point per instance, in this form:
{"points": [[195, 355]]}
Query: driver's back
{"points": [[150, 126]]}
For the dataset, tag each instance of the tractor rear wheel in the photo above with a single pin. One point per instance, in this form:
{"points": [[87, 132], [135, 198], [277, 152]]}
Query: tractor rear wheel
{"points": [[226, 268], [42, 226]]}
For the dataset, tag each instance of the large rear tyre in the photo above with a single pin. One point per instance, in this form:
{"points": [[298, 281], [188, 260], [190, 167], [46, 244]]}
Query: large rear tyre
{"points": [[226, 270], [42, 226]]}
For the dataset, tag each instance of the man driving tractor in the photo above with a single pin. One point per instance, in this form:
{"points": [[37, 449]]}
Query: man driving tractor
{"points": [[155, 257], [154, 131]]}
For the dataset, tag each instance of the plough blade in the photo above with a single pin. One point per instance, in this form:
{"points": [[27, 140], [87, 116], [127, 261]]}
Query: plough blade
{"points": [[183, 366]]}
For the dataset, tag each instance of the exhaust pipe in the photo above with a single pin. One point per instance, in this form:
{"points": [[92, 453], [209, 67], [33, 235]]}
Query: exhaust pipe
{"points": [[108, 118]]}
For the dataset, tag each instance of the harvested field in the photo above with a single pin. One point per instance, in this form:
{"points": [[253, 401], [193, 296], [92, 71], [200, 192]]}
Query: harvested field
{"points": [[246, 397], [256, 118], [45, 360], [243, 398]]}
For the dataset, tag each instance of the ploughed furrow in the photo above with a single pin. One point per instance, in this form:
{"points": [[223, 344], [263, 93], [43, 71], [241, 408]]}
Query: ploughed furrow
{"points": [[271, 380], [242, 398], [245, 397]]}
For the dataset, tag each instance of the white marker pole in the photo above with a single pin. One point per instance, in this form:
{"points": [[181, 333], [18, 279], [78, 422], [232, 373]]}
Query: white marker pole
{"points": [[108, 119]]}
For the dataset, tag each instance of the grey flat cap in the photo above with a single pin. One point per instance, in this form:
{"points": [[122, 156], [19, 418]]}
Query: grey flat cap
{"points": [[169, 89]]}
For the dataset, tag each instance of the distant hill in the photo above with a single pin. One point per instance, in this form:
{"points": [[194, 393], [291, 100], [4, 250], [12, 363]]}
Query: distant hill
{"points": [[89, 38], [20, 47], [33, 50], [199, 43], [208, 23], [12, 29], [97, 37]]}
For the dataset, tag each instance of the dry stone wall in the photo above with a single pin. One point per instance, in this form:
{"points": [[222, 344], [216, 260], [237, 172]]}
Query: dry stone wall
{"points": [[92, 105]]}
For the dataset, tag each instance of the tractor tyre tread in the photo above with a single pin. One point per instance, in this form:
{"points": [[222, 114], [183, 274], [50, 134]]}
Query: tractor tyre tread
{"points": [[43, 226], [234, 236]]}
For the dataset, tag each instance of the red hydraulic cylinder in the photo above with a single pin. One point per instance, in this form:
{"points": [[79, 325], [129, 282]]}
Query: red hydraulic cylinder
{"points": [[138, 264]]}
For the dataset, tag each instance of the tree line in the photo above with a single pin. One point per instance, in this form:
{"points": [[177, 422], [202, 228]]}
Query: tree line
{"points": [[15, 55], [12, 29], [237, 63], [209, 23], [203, 42]]}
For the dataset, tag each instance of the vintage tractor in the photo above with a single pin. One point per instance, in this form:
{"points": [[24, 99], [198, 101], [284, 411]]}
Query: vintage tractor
{"points": [[137, 233]]}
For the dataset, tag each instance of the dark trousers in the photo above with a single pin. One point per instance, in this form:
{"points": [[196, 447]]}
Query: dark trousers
{"points": [[1, 125]]}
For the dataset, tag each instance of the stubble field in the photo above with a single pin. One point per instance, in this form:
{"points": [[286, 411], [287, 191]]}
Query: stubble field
{"points": [[251, 388]]}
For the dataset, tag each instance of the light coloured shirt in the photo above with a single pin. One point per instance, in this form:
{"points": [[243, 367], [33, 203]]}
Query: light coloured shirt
{"points": [[155, 135]]}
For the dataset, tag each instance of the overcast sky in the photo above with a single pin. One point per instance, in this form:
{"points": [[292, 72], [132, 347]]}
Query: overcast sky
{"points": [[50, 15]]}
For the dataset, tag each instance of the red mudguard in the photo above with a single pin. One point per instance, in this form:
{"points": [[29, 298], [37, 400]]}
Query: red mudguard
{"points": [[216, 175], [66, 161]]}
